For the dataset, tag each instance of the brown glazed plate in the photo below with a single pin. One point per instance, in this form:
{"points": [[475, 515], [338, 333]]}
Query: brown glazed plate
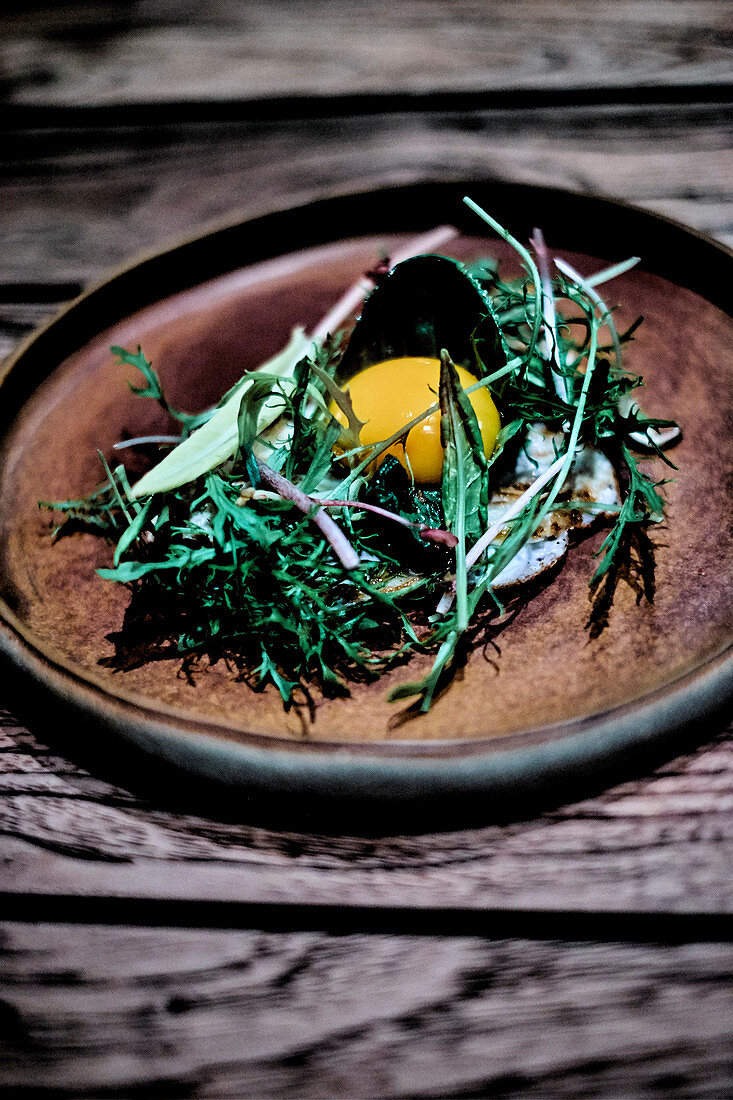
{"points": [[548, 702]]}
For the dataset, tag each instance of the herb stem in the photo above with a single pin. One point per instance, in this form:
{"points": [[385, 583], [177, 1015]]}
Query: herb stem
{"points": [[114, 487], [433, 534], [333, 534], [143, 439], [651, 436], [575, 431], [513, 511], [446, 601], [549, 316], [609, 273], [579, 281]]}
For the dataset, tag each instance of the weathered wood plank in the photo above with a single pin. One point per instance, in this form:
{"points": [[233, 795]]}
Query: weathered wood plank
{"points": [[655, 844], [218, 1013], [75, 205], [73, 54]]}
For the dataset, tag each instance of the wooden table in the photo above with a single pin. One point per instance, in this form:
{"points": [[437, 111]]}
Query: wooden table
{"points": [[151, 951]]}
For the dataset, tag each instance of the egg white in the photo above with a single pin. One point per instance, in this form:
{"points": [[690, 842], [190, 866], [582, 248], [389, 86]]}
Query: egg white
{"points": [[591, 480]]}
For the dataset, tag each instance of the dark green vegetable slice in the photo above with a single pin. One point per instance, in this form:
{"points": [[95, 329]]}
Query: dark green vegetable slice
{"points": [[423, 305]]}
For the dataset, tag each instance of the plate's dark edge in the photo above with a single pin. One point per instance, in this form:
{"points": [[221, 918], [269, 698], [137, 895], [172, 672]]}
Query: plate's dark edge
{"points": [[589, 222], [668, 248], [137, 746], [35, 660]]}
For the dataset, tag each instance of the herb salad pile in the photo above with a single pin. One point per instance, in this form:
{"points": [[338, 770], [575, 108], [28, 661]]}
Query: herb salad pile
{"points": [[272, 535]]}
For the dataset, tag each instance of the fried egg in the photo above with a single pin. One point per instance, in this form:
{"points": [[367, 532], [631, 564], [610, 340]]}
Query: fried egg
{"points": [[388, 394], [591, 481]]}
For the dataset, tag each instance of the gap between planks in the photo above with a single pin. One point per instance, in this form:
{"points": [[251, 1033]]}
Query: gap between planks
{"points": [[185, 112], [343, 919], [654, 844]]}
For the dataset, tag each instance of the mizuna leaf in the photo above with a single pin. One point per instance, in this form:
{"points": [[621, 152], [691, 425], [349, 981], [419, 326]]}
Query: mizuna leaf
{"points": [[132, 532], [137, 359], [153, 388], [351, 432]]}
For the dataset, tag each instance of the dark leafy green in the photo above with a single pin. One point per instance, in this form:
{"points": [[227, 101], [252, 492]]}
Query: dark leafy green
{"points": [[423, 305]]}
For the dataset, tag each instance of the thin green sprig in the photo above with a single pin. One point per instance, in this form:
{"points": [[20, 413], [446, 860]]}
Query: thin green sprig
{"points": [[536, 314]]}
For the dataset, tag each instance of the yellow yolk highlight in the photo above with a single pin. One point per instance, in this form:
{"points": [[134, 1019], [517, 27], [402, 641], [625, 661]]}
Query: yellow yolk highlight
{"points": [[390, 393]]}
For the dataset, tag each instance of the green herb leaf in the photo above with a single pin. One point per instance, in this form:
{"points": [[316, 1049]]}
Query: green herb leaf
{"points": [[153, 388], [464, 483], [642, 504], [350, 434], [132, 532]]}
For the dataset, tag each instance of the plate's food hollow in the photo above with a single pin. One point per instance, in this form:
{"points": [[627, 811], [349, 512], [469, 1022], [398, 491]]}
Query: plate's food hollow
{"points": [[544, 667]]}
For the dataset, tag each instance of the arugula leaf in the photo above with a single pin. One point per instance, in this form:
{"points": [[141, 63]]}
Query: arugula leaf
{"points": [[132, 532], [465, 489], [465, 498]]}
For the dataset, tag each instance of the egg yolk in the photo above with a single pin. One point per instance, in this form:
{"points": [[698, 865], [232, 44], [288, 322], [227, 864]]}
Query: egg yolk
{"points": [[390, 393]]}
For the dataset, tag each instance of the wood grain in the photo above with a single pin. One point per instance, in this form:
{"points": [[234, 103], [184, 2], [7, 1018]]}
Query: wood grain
{"points": [[75, 204], [198, 1013], [127, 125], [76, 55], [656, 844]]}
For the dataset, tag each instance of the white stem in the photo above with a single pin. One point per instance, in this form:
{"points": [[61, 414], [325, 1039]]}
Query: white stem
{"points": [[663, 437], [577, 278], [549, 316], [139, 440], [490, 534], [609, 273]]}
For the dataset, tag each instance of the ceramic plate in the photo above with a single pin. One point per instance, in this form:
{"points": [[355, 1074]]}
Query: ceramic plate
{"points": [[545, 699]]}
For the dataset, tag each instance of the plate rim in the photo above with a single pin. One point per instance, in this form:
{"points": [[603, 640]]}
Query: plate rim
{"points": [[718, 667], [267, 761]]}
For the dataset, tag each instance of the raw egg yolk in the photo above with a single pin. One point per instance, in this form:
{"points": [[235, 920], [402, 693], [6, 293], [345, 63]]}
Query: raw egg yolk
{"points": [[390, 393]]}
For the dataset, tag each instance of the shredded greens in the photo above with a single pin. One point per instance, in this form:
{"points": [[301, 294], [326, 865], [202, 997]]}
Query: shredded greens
{"points": [[269, 535]]}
